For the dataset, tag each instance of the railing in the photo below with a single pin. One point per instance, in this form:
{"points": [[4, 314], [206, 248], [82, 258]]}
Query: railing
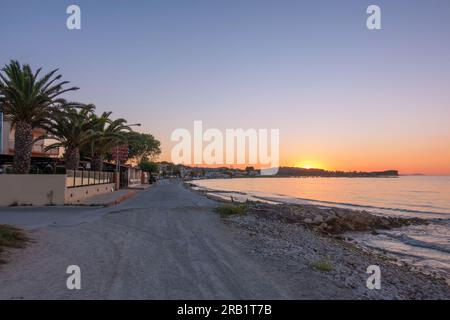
{"points": [[78, 178]]}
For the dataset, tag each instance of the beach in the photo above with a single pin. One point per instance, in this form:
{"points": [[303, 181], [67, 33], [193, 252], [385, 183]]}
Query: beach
{"points": [[424, 245], [168, 242]]}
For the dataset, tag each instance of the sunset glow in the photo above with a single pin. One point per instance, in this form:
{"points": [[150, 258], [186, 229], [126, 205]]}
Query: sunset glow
{"points": [[309, 165], [215, 153], [355, 100]]}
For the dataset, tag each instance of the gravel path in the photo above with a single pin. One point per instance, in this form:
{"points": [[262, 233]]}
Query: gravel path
{"points": [[164, 243], [295, 250]]}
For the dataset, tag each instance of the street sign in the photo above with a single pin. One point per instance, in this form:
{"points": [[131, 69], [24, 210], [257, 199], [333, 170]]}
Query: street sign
{"points": [[120, 153]]}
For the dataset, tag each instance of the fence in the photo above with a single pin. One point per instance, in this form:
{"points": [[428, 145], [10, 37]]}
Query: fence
{"points": [[78, 178], [134, 176]]}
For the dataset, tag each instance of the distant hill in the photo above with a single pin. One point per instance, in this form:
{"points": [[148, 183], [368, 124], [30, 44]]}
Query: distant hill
{"points": [[302, 172]]}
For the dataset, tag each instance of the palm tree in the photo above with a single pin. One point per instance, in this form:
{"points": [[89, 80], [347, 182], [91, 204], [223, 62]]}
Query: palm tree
{"points": [[27, 100], [108, 134], [71, 127]]}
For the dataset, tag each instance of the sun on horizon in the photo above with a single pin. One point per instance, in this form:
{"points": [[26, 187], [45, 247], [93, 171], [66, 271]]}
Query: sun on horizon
{"points": [[309, 165]]}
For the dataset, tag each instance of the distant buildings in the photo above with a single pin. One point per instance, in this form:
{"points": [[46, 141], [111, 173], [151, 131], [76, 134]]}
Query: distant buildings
{"points": [[186, 172]]}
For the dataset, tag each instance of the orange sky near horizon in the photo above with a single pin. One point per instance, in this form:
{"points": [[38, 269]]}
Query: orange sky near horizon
{"points": [[431, 158], [424, 156], [342, 97]]}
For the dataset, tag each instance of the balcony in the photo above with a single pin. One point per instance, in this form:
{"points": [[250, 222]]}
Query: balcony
{"points": [[38, 149]]}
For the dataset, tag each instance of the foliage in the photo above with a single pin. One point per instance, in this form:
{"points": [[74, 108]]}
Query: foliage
{"points": [[11, 237], [28, 100], [231, 209], [70, 127], [142, 146], [108, 133], [26, 97], [322, 266], [149, 166]]}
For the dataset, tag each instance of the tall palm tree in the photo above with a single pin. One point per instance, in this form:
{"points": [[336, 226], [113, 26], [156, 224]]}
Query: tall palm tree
{"points": [[27, 100], [108, 134], [71, 127]]}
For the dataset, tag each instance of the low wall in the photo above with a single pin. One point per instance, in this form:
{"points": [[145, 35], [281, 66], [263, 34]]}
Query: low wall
{"points": [[30, 189], [78, 194], [44, 189]]}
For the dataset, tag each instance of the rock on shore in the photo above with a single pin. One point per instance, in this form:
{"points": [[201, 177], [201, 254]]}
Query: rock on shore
{"points": [[324, 267], [329, 220]]}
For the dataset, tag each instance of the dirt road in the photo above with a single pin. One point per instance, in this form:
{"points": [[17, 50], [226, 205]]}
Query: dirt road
{"points": [[165, 243]]}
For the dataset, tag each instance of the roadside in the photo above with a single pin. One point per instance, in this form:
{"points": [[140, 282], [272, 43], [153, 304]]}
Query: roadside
{"points": [[35, 217], [11, 237], [14, 221], [164, 243], [306, 239], [112, 198], [167, 242], [299, 251]]}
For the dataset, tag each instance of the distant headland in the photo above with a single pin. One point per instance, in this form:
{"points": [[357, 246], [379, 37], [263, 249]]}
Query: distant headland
{"points": [[171, 169], [311, 172]]}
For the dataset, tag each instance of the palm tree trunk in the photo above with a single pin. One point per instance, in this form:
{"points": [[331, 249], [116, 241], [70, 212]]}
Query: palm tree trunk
{"points": [[97, 162], [23, 144], [72, 158]]}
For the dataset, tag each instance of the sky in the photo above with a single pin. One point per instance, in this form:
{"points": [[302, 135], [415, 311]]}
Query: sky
{"points": [[343, 97]]}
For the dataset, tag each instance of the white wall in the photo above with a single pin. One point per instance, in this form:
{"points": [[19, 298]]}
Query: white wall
{"points": [[44, 189], [32, 189], [78, 194]]}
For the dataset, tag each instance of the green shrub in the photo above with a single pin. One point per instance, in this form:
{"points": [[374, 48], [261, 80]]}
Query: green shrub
{"points": [[12, 237], [322, 266], [231, 209]]}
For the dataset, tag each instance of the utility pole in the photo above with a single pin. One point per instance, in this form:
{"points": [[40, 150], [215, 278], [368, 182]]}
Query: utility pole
{"points": [[117, 175], [117, 159], [1, 132]]}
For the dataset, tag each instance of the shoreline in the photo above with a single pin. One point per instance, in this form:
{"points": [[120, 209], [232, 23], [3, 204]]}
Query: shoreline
{"points": [[295, 244], [377, 210], [211, 256]]}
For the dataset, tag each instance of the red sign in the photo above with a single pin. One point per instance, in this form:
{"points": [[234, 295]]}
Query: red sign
{"points": [[120, 153]]}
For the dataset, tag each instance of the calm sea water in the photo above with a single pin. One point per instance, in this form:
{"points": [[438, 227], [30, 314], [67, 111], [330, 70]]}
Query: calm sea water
{"points": [[409, 196]]}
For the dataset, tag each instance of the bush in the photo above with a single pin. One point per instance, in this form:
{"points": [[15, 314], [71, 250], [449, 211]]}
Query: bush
{"points": [[148, 166], [231, 209], [12, 237], [322, 266]]}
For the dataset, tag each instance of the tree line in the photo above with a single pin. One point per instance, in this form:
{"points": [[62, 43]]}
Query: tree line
{"points": [[30, 100]]}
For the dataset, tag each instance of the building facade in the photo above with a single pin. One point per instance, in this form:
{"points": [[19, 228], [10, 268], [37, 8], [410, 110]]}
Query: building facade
{"points": [[7, 141]]}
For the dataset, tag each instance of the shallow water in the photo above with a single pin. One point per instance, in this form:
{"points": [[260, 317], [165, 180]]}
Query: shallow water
{"points": [[427, 247]]}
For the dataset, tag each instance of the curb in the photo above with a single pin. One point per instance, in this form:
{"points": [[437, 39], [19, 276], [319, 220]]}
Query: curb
{"points": [[121, 199], [138, 188]]}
